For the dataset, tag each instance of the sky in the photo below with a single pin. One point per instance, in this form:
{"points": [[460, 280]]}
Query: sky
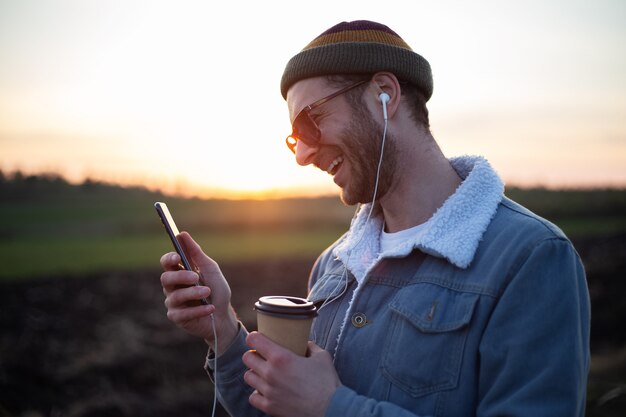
{"points": [[184, 96]]}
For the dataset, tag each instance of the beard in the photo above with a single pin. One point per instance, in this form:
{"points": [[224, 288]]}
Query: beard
{"points": [[363, 137]]}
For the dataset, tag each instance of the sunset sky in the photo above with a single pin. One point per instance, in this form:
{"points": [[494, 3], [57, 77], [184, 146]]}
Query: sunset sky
{"points": [[184, 95]]}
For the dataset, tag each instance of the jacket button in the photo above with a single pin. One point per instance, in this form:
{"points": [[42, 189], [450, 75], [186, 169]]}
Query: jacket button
{"points": [[359, 320]]}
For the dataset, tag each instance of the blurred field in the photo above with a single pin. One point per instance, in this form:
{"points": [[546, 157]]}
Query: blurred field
{"points": [[83, 327], [50, 227]]}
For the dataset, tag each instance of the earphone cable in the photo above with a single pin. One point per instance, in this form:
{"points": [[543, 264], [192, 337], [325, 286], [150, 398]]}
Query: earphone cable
{"points": [[344, 276], [214, 365]]}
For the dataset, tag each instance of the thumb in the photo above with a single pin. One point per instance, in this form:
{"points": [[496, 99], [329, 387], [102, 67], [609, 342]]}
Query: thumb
{"points": [[196, 254]]}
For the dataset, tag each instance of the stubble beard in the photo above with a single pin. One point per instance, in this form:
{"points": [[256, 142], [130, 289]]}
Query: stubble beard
{"points": [[364, 138]]}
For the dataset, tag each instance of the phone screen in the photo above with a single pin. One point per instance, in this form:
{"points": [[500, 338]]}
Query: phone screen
{"points": [[172, 232]]}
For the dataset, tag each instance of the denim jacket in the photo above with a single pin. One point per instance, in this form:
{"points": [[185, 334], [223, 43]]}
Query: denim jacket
{"points": [[486, 313]]}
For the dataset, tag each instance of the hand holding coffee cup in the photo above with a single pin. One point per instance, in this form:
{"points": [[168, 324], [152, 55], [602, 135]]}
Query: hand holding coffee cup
{"points": [[286, 321]]}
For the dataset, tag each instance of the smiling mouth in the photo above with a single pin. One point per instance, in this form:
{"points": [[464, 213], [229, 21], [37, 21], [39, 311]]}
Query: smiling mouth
{"points": [[334, 165]]}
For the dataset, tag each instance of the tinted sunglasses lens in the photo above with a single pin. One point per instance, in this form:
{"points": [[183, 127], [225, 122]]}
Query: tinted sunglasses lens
{"points": [[305, 129]]}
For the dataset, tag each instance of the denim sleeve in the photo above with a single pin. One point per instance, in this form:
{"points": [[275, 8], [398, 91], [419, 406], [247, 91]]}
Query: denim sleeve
{"points": [[534, 355], [233, 392]]}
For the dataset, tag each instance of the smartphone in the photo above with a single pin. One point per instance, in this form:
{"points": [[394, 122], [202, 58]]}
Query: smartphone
{"points": [[172, 232]]}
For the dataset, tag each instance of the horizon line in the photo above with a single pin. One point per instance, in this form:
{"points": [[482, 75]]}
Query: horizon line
{"points": [[277, 193]]}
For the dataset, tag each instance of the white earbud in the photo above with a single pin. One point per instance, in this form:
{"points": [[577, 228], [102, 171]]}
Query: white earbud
{"points": [[384, 98]]}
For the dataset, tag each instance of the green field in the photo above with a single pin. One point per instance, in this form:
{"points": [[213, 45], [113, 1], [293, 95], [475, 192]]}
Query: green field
{"points": [[74, 255], [49, 227]]}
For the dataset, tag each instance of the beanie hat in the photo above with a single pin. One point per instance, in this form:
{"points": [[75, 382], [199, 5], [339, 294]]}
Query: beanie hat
{"points": [[358, 47]]}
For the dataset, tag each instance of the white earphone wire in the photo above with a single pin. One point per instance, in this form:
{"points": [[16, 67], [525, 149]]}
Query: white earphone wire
{"points": [[214, 365], [344, 276]]}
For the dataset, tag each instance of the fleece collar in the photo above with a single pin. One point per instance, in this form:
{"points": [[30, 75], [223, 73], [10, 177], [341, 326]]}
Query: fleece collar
{"points": [[453, 232]]}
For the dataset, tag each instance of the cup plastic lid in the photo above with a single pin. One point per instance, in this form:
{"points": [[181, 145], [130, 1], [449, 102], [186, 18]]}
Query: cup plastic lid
{"points": [[280, 305]]}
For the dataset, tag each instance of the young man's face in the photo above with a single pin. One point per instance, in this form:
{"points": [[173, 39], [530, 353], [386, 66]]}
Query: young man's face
{"points": [[349, 144]]}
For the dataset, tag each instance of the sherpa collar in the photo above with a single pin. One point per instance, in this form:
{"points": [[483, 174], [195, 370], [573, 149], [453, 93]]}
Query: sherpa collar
{"points": [[453, 232]]}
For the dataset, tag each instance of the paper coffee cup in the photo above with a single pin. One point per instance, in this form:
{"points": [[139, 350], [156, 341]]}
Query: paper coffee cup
{"points": [[286, 320]]}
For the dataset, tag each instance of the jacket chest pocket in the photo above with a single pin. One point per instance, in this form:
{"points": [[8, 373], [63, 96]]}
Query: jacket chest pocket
{"points": [[428, 329]]}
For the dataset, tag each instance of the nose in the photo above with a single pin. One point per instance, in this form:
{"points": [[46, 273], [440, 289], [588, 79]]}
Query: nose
{"points": [[305, 153]]}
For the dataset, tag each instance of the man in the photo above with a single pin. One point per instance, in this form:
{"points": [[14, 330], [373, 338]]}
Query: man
{"points": [[444, 298]]}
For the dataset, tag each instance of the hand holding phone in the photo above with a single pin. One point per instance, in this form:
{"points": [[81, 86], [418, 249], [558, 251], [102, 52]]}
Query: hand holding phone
{"points": [[172, 232]]}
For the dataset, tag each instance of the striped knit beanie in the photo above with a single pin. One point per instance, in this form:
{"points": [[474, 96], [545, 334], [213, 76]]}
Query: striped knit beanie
{"points": [[358, 47]]}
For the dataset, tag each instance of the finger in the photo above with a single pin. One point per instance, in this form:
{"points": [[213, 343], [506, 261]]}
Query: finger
{"points": [[253, 360], [199, 258], [255, 381], [268, 349], [171, 280], [183, 296], [183, 315], [170, 261], [259, 402]]}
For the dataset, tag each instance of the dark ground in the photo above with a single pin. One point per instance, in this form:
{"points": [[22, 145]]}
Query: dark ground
{"points": [[102, 346]]}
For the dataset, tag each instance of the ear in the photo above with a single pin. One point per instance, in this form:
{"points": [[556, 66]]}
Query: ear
{"points": [[386, 82]]}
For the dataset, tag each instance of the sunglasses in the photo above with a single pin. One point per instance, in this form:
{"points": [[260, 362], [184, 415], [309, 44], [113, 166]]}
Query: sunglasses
{"points": [[304, 127]]}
